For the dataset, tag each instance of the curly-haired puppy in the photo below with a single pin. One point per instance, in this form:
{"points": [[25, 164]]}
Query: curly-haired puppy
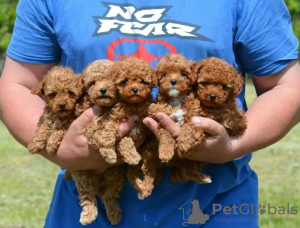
{"points": [[175, 78], [175, 98], [133, 78], [61, 90], [217, 85], [101, 90]]}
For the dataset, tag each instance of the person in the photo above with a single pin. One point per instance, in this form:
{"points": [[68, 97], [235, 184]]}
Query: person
{"points": [[256, 37]]}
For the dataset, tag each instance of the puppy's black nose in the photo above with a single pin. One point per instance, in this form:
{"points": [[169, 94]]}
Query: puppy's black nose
{"points": [[62, 106], [103, 90], [135, 90], [173, 82], [213, 96]]}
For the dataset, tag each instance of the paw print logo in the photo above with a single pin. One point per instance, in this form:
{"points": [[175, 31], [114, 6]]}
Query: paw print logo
{"points": [[261, 209]]}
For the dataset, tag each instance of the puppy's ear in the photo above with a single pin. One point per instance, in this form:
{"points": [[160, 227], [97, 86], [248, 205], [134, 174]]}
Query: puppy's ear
{"points": [[80, 81], [238, 84], [193, 75], [39, 90], [196, 68], [80, 84], [154, 78]]}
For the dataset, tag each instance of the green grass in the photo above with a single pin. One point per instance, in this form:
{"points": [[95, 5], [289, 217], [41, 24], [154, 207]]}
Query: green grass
{"points": [[278, 169], [26, 185], [27, 181]]}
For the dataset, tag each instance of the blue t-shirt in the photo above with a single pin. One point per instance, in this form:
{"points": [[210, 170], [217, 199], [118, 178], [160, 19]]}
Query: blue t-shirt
{"points": [[255, 36]]}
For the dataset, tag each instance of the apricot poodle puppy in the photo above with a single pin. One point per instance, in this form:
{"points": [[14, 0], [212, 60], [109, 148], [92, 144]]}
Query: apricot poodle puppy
{"points": [[176, 98], [217, 85], [100, 89], [60, 89], [175, 79], [133, 79]]}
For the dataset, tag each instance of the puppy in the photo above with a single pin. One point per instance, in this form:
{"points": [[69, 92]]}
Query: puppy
{"points": [[133, 78], [101, 90], [175, 79], [217, 85], [175, 98], [61, 90]]}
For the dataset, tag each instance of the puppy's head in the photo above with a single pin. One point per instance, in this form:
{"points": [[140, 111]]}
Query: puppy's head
{"points": [[217, 81], [60, 89], [174, 75], [133, 77], [99, 83]]}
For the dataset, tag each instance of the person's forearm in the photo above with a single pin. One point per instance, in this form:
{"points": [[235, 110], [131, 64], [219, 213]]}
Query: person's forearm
{"points": [[20, 111], [270, 117]]}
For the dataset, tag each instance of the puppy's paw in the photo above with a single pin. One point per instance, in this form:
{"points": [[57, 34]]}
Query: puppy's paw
{"points": [[205, 179], [51, 149], [128, 150], [165, 152], [109, 155], [88, 215], [115, 216], [33, 148], [134, 159]]}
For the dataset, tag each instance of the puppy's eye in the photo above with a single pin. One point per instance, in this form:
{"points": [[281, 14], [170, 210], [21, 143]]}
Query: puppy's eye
{"points": [[183, 74], [143, 82], [52, 95], [163, 74], [124, 82], [224, 87], [205, 83], [91, 83], [71, 94]]}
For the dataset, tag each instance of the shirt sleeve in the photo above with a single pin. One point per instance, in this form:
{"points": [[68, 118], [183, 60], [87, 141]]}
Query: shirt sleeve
{"points": [[34, 39], [265, 42]]}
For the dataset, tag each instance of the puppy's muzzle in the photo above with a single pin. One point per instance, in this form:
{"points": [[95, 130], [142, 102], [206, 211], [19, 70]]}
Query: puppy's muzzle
{"points": [[103, 91], [173, 82], [213, 96], [62, 106]]}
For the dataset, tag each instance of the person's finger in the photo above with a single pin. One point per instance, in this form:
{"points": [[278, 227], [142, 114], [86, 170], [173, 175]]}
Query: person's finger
{"points": [[208, 125], [127, 126], [85, 118], [167, 123], [152, 125]]}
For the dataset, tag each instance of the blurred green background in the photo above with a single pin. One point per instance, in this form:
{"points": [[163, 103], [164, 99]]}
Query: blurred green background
{"points": [[27, 182]]}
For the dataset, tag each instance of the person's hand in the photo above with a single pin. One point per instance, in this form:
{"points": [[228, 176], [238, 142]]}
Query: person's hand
{"points": [[75, 153], [216, 148]]}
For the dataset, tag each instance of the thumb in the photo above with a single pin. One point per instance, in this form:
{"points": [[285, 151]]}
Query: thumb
{"points": [[208, 125], [86, 117]]}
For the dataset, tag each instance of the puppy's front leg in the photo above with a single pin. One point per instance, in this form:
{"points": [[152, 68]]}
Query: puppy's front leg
{"points": [[166, 145], [128, 151], [106, 140], [39, 140], [54, 140], [188, 139]]}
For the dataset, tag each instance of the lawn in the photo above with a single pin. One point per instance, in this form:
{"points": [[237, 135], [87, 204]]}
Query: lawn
{"points": [[27, 181]]}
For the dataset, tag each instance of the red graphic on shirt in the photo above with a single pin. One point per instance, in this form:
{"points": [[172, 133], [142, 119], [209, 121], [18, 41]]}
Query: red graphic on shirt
{"points": [[141, 51]]}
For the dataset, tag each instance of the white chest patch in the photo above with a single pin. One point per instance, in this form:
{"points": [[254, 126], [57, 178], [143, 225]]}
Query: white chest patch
{"points": [[134, 131], [173, 92], [178, 117]]}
